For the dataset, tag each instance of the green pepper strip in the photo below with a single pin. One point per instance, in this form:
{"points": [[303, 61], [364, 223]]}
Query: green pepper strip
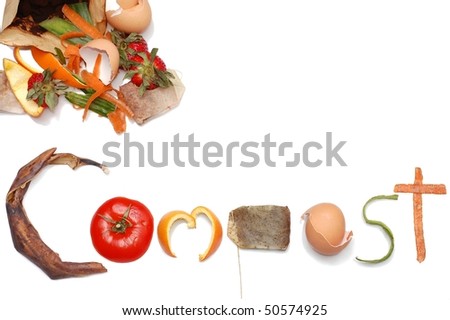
{"points": [[382, 225]]}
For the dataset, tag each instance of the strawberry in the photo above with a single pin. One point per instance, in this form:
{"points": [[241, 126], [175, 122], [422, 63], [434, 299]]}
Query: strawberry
{"points": [[129, 46], [148, 71], [45, 90], [138, 45]]}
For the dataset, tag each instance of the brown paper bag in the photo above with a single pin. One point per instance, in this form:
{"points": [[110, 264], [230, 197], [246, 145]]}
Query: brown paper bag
{"points": [[17, 31], [9, 13]]}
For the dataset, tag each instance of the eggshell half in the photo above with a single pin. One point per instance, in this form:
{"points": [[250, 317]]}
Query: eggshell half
{"points": [[325, 229], [129, 18], [126, 4], [109, 66]]}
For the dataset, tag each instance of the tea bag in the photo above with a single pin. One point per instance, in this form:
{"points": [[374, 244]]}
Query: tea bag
{"points": [[260, 227], [154, 102]]}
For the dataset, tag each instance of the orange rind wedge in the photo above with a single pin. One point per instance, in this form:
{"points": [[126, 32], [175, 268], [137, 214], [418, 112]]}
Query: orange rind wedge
{"points": [[17, 77], [47, 60], [166, 222]]}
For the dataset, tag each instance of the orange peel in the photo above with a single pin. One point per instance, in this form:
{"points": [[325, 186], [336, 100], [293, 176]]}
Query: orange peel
{"points": [[47, 60], [22, 62], [166, 222]]}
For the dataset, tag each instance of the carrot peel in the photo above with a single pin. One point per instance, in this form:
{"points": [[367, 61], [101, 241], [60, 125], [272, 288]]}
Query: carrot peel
{"points": [[71, 34], [98, 62], [81, 23], [118, 120], [96, 84]]}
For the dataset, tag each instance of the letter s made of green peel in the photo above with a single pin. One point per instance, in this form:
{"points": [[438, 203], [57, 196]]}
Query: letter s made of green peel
{"points": [[382, 225]]}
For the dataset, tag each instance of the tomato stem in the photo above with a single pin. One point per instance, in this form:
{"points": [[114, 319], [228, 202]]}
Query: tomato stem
{"points": [[121, 225]]}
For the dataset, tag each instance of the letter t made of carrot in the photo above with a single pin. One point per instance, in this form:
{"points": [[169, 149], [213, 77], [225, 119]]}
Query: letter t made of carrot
{"points": [[417, 189]]}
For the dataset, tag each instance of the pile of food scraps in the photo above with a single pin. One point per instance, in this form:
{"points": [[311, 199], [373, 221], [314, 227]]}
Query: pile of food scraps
{"points": [[81, 47]]}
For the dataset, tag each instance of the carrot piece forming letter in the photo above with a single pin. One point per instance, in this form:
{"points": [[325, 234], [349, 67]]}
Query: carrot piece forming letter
{"points": [[80, 23], [417, 189]]}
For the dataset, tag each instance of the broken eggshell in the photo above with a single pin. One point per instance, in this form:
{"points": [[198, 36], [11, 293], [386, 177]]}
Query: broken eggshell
{"points": [[128, 15], [325, 229], [109, 65]]}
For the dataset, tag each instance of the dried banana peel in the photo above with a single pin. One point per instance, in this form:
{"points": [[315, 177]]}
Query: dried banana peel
{"points": [[25, 237]]}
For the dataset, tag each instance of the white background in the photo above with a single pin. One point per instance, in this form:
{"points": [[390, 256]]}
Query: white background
{"points": [[374, 73]]}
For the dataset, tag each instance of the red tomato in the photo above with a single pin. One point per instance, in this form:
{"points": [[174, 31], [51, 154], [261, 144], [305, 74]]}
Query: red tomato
{"points": [[122, 229]]}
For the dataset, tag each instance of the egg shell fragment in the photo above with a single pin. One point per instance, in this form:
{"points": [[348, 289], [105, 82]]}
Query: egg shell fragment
{"points": [[128, 18], [109, 66], [325, 229]]}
